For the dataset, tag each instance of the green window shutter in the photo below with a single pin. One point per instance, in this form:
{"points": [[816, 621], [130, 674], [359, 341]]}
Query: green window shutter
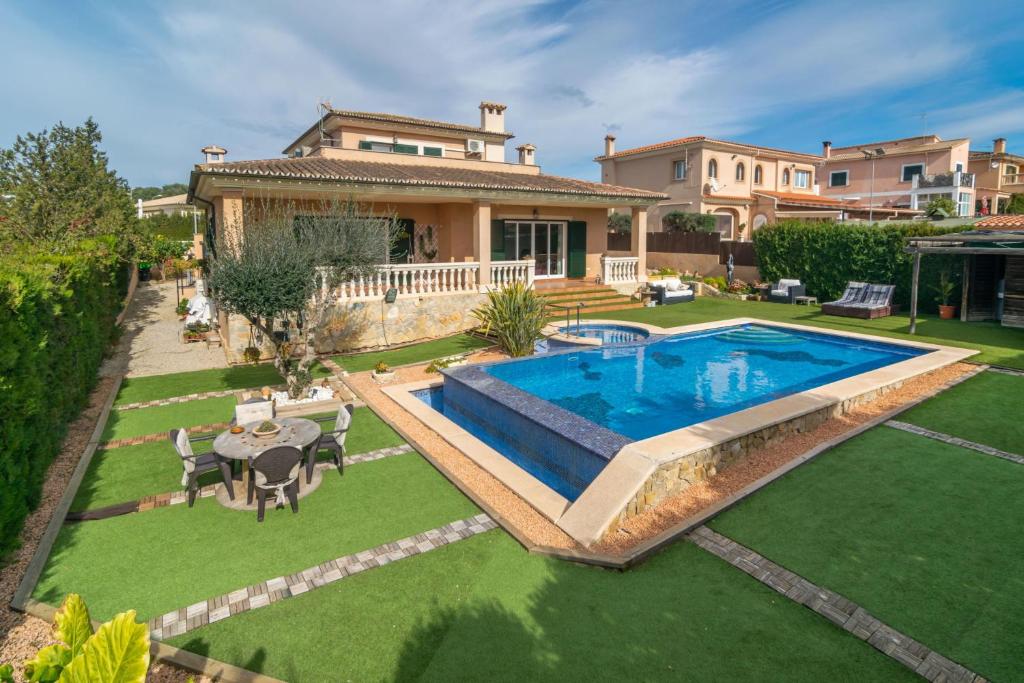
{"points": [[432, 151], [406, 149], [577, 249], [365, 144], [498, 241]]}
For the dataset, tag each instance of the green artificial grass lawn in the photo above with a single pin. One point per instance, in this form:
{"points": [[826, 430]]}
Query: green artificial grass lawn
{"points": [[171, 557], [977, 411], [121, 475], [156, 387], [998, 345], [124, 424], [416, 353], [924, 535], [484, 609]]}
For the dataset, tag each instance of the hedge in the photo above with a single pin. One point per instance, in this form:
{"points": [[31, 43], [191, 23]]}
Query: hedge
{"points": [[57, 314], [827, 255]]}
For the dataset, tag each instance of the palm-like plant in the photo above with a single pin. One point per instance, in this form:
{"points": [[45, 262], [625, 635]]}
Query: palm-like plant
{"points": [[515, 315]]}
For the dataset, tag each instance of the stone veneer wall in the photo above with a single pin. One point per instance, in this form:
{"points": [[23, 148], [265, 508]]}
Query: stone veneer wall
{"points": [[676, 476]]}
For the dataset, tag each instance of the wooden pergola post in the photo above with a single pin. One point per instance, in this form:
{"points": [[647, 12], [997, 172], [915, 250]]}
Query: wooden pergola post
{"points": [[965, 288], [913, 292]]}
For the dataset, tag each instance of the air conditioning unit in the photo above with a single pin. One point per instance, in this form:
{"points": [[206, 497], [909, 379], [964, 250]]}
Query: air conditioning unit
{"points": [[475, 146]]}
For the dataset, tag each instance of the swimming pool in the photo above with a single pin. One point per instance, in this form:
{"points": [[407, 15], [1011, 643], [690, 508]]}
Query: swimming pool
{"points": [[608, 334], [643, 389]]}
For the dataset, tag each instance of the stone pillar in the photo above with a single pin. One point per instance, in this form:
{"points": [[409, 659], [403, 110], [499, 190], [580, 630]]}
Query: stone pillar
{"points": [[230, 219], [638, 241], [482, 240]]}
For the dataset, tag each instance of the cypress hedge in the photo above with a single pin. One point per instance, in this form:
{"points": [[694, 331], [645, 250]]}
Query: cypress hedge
{"points": [[826, 255], [57, 314]]}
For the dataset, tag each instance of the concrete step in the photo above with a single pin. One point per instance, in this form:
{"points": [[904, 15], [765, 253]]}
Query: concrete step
{"points": [[584, 296]]}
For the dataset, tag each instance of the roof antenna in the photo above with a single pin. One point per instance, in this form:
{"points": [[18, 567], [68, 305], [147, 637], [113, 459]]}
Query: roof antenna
{"points": [[323, 108]]}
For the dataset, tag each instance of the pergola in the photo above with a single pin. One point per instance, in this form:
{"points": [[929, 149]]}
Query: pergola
{"points": [[993, 258]]}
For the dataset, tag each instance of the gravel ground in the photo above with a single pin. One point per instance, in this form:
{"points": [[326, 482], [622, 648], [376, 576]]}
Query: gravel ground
{"points": [[151, 343]]}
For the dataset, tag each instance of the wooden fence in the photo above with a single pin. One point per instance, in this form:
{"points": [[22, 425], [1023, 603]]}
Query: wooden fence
{"points": [[690, 243]]}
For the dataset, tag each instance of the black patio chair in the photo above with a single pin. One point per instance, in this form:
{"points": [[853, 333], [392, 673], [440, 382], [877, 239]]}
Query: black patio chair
{"points": [[194, 466], [276, 469], [333, 441]]}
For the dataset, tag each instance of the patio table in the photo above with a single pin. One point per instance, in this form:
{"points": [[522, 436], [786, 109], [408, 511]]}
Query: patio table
{"points": [[295, 431]]}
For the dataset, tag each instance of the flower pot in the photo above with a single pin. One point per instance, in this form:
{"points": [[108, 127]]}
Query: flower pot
{"points": [[946, 312], [383, 377], [266, 435]]}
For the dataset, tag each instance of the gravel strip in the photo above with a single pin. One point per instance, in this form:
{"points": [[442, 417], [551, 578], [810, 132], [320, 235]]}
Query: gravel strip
{"points": [[731, 479], [503, 500]]}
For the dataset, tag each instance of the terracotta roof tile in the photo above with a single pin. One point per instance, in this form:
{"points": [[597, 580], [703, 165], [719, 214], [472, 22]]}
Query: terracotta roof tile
{"points": [[413, 175], [856, 153], [699, 138], [1001, 222], [415, 121], [818, 201]]}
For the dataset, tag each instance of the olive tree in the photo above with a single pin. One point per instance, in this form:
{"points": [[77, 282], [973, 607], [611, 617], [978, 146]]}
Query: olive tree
{"points": [[281, 272]]}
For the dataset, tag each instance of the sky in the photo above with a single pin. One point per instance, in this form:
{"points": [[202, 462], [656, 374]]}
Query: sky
{"points": [[163, 79]]}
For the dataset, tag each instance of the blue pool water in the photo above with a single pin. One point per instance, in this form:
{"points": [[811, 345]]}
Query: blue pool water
{"points": [[563, 415], [640, 390], [608, 334]]}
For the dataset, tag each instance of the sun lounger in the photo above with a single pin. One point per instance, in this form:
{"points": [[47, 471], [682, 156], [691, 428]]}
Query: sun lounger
{"points": [[863, 300]]}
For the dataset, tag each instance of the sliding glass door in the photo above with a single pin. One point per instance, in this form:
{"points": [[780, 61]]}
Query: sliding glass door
{"points": [[543, 241]]}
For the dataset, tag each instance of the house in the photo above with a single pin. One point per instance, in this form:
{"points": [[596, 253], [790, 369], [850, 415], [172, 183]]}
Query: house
{"points": [[175, 205], [907, 173], [999, 174], [744, 186], [473, 219]]}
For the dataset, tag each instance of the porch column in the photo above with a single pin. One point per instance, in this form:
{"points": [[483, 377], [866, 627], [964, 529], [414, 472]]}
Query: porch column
{"points": [[638, 241], [231, 218], [482, 240]]}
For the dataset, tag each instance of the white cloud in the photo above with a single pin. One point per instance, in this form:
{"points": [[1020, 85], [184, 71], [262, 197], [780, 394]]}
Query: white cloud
{"points": [[982, 121]]}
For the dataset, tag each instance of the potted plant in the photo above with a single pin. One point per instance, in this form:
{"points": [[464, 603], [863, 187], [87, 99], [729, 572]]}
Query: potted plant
{"points": [[251, 354], [945, 291], [182, 309], [266, 429], [382, 372]]}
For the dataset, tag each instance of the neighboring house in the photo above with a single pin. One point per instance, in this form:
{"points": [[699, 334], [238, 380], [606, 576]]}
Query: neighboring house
{"points": [[999, 175], [175, 205], [900, 174], [473, 220], [744, 186]]}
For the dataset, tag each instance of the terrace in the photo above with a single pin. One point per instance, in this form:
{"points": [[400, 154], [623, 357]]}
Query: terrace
{"points": [[889, 556]]}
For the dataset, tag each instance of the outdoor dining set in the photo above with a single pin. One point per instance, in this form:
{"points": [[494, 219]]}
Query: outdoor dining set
{"points": [[272, 452]]}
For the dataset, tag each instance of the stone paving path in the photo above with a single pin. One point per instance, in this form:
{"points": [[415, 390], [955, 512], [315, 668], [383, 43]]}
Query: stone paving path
{"points": [[245, 599], [181, 399], [845, 614], [956, 441], [1007, 371], [163, 436]]}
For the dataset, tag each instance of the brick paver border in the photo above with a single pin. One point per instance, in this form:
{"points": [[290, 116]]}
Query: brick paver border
{"points": [[245, 599], [162, 436], [181, 399], [1007, 371], [844, 613], [956, 441]]}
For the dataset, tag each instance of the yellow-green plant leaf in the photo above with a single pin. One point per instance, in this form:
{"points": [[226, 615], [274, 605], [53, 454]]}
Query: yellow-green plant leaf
{"points": [[6, 673], [47, 665], [71, 623], [117, 653]]}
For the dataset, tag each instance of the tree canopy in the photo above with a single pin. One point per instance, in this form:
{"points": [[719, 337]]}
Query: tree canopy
{"points": [[151, 192]]}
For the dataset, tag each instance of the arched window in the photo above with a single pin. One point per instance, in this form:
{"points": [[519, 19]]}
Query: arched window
{"points": [[785, 176], [712, 169], [759, 220], [758, 174], [741, 171]]}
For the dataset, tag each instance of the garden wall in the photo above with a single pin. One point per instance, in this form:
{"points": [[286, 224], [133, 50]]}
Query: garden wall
{"points": [[57, 318]]}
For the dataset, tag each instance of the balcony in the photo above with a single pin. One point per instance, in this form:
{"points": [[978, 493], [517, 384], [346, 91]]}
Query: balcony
{"points": [[951, 179], [1012, 179]]}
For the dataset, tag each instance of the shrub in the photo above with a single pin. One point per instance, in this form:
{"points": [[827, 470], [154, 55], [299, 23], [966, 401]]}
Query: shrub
{"points": [[1015, 205], [827, 255], [718, 283], [515, 315], [57, 315], [177, 227], [620, 222], [941, 207], [679, 221]]}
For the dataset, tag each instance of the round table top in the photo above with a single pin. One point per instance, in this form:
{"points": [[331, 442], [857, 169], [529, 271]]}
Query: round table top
{"points": [[295, 431]]}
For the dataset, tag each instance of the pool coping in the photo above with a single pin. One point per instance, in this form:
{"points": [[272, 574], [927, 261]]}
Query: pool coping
{"points": [[589, 517]]}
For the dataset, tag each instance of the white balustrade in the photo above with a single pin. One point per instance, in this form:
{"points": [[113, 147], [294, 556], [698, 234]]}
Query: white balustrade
{"points": [[619, 269], [422, 279], [506, 272]]}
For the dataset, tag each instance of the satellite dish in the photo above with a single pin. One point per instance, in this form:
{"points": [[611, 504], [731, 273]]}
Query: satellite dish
{"points": [[713, 182], [994, 164]]}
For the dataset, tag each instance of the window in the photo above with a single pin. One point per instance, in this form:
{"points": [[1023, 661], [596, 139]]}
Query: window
{"points": [[758, 175], [785, 176], [959, 167], [760, 220], [803, 179], [911, 170], [741, 171], [679, 170], [433, 152], [964, 205], [838, 178], [372, 146], [712, 169]]}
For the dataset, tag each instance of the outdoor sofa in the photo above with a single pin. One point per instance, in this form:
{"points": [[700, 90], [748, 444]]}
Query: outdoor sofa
{"points": [[786, 291], [671, 290], [863, 300]]}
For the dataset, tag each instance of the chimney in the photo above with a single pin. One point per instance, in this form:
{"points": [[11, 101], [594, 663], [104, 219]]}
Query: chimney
{"points": [[214, 154], [492, 117], [609, 145], [826, 149], [999, 146], [526, 154]]}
